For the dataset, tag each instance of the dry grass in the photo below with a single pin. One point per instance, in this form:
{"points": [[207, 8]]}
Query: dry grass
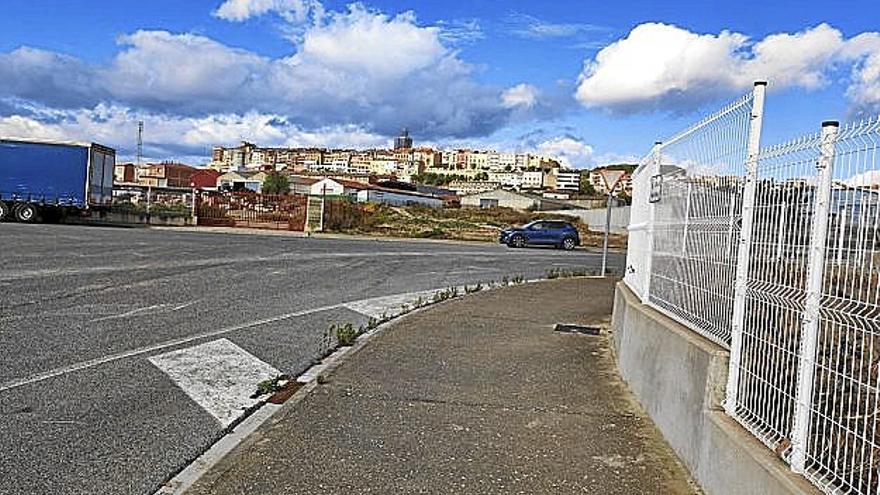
{"points": [[470, 224]]}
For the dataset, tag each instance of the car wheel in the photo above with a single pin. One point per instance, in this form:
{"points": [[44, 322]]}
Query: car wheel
{"points": [[517, 241], [4, 211], [568, 244], [26, 213]]}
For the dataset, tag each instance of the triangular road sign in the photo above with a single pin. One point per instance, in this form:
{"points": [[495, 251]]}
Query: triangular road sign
{"points": [[611, 177]]}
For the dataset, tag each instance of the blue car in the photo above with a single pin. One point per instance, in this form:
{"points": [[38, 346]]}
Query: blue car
{"points": [[561, 235]]}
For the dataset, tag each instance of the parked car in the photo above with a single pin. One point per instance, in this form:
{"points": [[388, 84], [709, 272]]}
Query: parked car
{"points": [[556, 233]]}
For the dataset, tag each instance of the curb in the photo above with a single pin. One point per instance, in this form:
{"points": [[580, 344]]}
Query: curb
{"points": [[310, 380], [265, 411]]}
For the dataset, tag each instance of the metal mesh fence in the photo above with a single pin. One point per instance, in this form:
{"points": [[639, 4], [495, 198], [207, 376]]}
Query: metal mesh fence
{"points": [[808, 378], [696, 221], [775, 255], [638, 254], [842, 448], [775, 291]]}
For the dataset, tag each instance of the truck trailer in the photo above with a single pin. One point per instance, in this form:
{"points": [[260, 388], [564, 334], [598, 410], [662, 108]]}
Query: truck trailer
{"points": [[49, 179]]}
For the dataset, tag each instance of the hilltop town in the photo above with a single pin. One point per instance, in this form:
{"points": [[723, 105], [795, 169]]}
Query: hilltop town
{"points": [[415, 175]]}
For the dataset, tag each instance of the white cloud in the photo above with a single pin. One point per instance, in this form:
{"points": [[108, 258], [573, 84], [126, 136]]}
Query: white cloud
{"points": [[178, 137], [571, 152], [864, 90], [53, 78], [530, 27], [159, 67], [870, 178], [17, 126], [360, 41], [521, 95], [242, 10], [357, 67], [664, 66]]}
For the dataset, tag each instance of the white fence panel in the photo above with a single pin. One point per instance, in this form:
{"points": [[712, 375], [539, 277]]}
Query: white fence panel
{"points": [[638, 252], [696, 223], [777, 255]]}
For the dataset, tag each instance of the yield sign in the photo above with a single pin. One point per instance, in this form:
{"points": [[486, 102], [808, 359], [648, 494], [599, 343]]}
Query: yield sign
{"points": [[612, 177]]}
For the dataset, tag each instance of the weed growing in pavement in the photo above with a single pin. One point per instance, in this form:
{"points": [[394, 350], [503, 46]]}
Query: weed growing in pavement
{"points": [[518, 279], [553, 273], [371, 324], [327, 345], [270, 386], [346, 334], [476, 288]]}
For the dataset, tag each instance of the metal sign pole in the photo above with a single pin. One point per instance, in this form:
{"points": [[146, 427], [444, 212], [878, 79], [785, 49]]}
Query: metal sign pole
{"points": [[611, 179], [607, 230]]}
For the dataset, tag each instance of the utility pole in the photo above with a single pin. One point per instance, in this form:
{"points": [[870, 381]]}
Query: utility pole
{"points": [[140, 158]]}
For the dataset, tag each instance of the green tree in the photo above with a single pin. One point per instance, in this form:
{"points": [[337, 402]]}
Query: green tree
{"points": [[585, 186], [276, 183]]}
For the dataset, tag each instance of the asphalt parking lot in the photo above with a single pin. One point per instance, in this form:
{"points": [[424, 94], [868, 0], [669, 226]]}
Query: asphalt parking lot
{"points": [[87, 312]]}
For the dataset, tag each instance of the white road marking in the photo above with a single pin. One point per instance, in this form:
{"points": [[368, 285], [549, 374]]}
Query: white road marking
{"points": [[387, 305], [153, 348], [217, 375], [127, 314], [374, 307]]}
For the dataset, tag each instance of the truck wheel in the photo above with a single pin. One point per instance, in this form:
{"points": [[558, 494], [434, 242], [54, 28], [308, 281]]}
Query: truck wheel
{"points": [[4, 211], [26, 213]]}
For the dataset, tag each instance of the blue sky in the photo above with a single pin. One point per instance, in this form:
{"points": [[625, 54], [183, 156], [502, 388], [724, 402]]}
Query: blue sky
{"points": [[593, 82]]}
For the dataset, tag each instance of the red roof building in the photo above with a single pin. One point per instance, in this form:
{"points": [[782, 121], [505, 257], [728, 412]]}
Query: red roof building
{"points": [[204, 179]]}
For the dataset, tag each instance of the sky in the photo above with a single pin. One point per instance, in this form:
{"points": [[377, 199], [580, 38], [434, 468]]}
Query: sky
{"points": [[592, 82]]}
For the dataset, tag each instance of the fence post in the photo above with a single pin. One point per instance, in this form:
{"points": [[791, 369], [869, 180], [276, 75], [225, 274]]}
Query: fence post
{"points": [[687, 219], [656, 157], [745, 244], [815, 270]]}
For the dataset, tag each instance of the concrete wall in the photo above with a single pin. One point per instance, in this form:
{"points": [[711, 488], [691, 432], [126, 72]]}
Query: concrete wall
{"points": [[132, 218], [596, 218], [505, 199], [679, 378]]}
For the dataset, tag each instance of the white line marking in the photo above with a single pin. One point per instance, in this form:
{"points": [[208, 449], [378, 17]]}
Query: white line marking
{"points": [[387, 305], [217, 375], [374, 307], [127, 314], [152, 348]]}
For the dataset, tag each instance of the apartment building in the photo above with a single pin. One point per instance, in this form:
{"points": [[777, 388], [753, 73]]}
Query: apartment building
{"points": [[431, 158], [165, 175], [568, 180], [477, 160], [507, 179], [533, 179]]}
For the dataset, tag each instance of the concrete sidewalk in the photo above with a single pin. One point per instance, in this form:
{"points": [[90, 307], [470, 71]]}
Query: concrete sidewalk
{"points": [[478, 395]]}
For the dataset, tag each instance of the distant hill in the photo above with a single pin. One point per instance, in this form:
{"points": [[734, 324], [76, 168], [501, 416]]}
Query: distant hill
{"points": [[629, 167]]}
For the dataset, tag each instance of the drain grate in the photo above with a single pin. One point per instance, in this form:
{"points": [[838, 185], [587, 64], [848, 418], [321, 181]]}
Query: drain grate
{"points": [[581, 329]]}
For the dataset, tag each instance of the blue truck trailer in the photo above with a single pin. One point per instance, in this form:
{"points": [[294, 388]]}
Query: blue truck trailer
{"points": [[49, 179]]}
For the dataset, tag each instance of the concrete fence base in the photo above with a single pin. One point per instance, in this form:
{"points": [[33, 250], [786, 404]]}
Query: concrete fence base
{"points": [[679, 377]]}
